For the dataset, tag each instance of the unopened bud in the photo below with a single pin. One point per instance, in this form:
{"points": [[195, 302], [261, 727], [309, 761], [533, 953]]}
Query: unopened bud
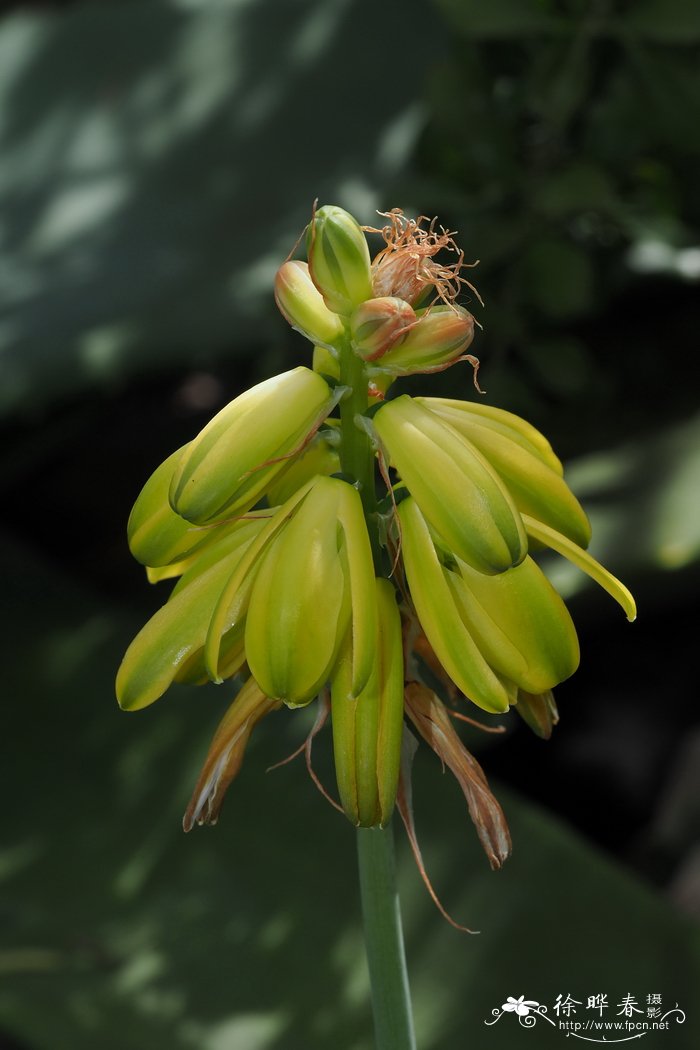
{"points": [[326, 363], [227, 468], [378, 324], [440, 338], [339, 259], [368, 729], [301, 303]]}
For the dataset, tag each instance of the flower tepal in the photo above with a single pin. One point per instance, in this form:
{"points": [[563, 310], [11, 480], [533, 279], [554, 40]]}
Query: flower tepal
{"points": [[330, 541]]}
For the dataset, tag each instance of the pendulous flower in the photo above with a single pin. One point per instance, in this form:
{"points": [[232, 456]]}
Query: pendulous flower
{"points": [[458, 492], [227, 468], [327, 540]]}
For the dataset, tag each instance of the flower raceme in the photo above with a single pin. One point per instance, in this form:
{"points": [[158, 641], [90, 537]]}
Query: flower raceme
{"points": [[297, 576]]}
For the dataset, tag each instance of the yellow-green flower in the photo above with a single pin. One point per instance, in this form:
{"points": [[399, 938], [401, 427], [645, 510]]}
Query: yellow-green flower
{"points": [[368, 728], [330, 542], [227, 468], [314, 588], [339, 259], [456, 489]]}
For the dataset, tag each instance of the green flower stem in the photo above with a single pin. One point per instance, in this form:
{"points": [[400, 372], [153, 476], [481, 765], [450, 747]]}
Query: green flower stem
{"points": [[391, 1000], [357, 456], [391, 997]]}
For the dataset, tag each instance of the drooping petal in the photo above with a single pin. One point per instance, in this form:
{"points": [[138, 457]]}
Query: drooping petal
{"points": [[439, 617], [225, 754], [404, 804], [562, 545], [539, 711]]}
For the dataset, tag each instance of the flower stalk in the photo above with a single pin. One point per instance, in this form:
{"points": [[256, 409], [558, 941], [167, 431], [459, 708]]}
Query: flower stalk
{"points": [[391, 997], [390, 609]]}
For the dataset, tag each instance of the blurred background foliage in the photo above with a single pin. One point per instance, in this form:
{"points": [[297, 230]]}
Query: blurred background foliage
{"points": [[159, 160]]}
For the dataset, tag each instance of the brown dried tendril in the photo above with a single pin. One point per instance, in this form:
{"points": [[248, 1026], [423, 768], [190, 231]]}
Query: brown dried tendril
{"points": [[406, 267]]}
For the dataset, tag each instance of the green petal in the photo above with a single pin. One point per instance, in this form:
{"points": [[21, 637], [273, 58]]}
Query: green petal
{"points": [[584, 561], [157, 535], [536, 488], [360, 569], [294, 622], [500, 421], [368, 729], [241, 578], [231, 462], [520, 624], [456, 489], [170, 638], [439, 617]]}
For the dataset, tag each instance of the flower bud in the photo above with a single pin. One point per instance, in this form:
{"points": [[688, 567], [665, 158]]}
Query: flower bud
{"points": [[519, 622], [301, 303], [439, 615], [174, 637], [437, 341], [456, 489], [339, 259], [367, 730], [230, 463], [529, 474], [157, 535], [378, 324], [308, 590], [326, 363]]}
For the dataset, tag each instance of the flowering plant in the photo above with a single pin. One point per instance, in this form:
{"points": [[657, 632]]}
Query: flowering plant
{"points": [[375, 554]]}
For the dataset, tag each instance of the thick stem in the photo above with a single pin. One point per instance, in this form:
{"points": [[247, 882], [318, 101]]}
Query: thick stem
{"points": [[356, 455], [391, 998]]}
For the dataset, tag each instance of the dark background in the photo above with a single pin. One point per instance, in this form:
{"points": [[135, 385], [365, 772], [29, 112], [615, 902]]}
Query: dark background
{"points": [[157, 162]]}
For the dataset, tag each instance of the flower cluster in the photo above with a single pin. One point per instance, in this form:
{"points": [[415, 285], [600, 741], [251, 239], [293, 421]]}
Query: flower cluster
{"points": [[378, 554]]}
